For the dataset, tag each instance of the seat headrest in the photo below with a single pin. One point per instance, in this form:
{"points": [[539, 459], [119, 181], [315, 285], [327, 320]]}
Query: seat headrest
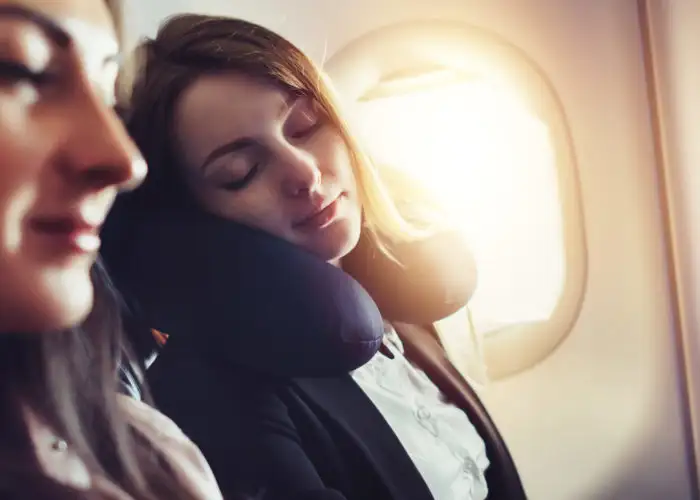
{"points": [[426, 280]]}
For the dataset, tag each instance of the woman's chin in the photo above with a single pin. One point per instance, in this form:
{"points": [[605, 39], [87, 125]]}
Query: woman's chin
{"points": [[74, 310], [53, 311], [335, 242]]}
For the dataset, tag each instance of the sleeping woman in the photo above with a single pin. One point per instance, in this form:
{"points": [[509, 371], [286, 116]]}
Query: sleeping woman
{"points": [[238, 122]]}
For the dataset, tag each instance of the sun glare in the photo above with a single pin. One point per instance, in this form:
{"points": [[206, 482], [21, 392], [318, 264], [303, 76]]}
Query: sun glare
{"points": [[491, 161]]}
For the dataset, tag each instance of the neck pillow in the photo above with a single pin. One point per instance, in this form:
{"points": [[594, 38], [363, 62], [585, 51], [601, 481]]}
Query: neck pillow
{"points": [[266, 304], [262, 303]]}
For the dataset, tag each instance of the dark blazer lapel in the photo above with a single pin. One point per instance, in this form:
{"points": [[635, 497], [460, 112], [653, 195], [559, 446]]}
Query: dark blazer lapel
{"points": [[423, 348], [343, 401]]}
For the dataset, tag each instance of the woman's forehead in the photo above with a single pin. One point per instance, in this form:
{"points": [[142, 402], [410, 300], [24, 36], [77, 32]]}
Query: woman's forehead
{"points": [[231, 102]]}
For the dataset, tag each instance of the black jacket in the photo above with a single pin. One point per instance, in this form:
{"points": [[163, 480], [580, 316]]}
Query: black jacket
{"points": [[290, 438]]}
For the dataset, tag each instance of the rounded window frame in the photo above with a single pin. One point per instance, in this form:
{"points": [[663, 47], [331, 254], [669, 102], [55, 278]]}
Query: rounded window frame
{"points": [[382, 52]]}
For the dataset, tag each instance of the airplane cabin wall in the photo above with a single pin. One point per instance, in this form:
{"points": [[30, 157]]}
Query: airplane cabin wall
{"points": [[602, 417], [675, 39]]}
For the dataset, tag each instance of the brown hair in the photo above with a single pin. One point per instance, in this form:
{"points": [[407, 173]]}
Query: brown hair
{"points": [[190, 45], [69, 380]]}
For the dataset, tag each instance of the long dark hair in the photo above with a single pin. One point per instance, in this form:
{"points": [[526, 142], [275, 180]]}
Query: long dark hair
{"points": [[69, 380]]}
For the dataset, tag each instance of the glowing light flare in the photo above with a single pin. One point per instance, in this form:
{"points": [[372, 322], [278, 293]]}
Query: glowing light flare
{"points": [[491, 162]]}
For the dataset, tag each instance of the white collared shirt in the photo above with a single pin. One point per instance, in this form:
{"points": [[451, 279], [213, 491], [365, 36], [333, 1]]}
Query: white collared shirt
{"points": [[443, 444]]}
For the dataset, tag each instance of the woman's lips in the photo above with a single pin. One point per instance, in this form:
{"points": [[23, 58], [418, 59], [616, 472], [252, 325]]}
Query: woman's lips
{"points": [[321, 219], [69, 234]]}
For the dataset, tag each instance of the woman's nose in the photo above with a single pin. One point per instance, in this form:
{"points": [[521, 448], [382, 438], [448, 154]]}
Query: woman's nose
{"points": [[302, 174], [99, 149]]}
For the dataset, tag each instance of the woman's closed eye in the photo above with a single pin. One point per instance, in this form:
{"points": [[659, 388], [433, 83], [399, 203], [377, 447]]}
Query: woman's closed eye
{"points": [[306, 131], [238, 184], [303, 122]]}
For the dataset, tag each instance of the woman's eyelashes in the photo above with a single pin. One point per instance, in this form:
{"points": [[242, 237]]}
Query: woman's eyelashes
{"points": [[306, 131], [13, 73], [238, 184]]}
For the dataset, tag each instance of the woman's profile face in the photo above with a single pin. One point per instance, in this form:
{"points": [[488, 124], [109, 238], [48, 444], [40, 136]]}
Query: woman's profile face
{"points": [[255, 155], [64, 155]]}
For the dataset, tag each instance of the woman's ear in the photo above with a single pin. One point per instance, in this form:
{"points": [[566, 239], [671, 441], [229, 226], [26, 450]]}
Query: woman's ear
{"points": [[434, 278]]}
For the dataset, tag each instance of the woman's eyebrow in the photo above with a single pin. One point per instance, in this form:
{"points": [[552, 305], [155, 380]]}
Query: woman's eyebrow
{"points": [[50, 28]]}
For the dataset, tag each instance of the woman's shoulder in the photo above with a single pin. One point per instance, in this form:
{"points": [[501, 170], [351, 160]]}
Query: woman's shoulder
{"points": [[145, 417], [181, 453]]}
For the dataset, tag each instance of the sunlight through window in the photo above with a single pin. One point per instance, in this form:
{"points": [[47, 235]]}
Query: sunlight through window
{"points": [[492, 163]]}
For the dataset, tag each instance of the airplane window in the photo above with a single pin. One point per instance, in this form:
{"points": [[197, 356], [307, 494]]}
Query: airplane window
{"points": [[489, 141], [492, 165]]}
